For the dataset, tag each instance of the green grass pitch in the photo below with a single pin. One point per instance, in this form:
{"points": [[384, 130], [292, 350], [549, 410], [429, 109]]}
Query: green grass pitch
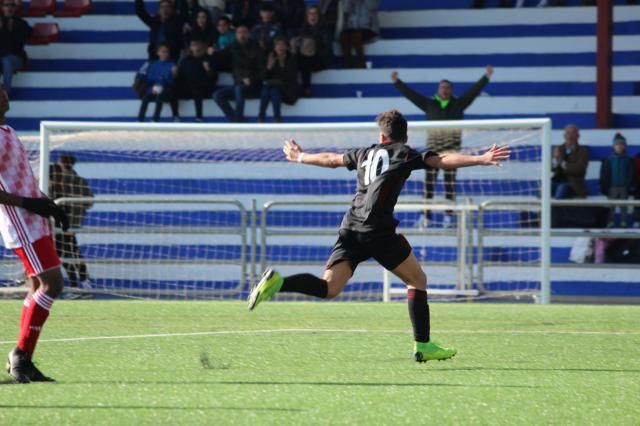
{"points": [[150, 363]]}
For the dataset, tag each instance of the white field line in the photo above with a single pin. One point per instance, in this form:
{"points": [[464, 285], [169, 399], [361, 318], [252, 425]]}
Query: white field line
{"points": [[318, 330]]}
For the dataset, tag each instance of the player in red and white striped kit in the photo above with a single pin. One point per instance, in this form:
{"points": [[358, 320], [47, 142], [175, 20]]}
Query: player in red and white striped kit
{"points": [[25, 228]]}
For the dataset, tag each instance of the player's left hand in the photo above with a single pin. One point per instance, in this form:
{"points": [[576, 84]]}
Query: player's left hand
{"points": [[292, 150], [495, 155]]}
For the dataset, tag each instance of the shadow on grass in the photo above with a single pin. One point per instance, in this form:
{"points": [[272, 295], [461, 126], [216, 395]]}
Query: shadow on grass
{"points": [[141, 407]]}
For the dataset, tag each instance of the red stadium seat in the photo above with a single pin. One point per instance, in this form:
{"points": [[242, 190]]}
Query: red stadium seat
{"points": [[74, 8], [41, 8], [44, 33]]}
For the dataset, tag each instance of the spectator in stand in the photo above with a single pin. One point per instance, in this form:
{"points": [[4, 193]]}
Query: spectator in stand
{"points": [[160, 82], [357, 26], [66, 183], [14, 33], [215, 8], [191, 10], [245, 12], [444, 105], [290, 15], [617, 177], [165, 27], [226, 38], [313, 46], [569, 165], [267, 29], [197, 75], [246, 66], [202, 29], [226, 34], [329, 12], [280, 80]]}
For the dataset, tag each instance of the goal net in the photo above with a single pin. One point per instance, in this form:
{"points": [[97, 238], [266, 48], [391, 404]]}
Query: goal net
{"points": [[197, 211]]}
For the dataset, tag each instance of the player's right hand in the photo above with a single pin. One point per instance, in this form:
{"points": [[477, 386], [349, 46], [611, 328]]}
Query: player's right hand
{"points": [[45, 207], [292, 150], [394, 76]]}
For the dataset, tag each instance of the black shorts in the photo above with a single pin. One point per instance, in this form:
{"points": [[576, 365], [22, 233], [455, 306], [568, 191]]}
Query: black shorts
{"points": [[388, 249]]}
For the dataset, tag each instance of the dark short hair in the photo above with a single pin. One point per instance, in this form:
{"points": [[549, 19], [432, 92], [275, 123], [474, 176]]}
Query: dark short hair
{"points": [[67, 159], [224, 18], [393, 125], [444, 80]]}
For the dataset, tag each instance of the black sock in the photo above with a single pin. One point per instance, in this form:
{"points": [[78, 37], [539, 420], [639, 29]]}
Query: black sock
{"points": [[419, 314], [306, 284]]}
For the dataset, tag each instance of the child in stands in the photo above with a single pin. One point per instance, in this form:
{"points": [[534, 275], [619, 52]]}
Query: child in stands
{"points": [[617, 175], [160, 79]]}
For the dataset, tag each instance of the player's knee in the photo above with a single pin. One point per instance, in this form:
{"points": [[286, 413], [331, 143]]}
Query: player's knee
{"points": [[52, 282], [419, 281]]}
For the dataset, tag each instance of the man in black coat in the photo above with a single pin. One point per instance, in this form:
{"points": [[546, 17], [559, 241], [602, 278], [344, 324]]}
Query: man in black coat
{"points": [[197, 75], [444, 105], [165, 27], [14, 32], [246, 67]]}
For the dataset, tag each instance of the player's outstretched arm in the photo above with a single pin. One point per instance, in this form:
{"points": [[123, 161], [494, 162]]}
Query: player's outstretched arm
{"points": [[453, 160], [295, 153], [43, 206]]}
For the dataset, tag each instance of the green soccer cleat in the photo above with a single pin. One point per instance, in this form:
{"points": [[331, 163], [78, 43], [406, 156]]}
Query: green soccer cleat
{"points": [[269, 284], [430, 351]]}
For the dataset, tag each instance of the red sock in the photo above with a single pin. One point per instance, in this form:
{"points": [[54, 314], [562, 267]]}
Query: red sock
{"points": [[25, 306], [34, 317]]}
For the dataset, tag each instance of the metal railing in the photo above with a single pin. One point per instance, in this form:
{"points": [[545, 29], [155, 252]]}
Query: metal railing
{"points": [[470, 269], [242, 231]]}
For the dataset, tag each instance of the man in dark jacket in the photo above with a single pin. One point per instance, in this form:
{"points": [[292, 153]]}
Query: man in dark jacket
{"points": [[444, 105], [290, 14], [197, 75], [14, 32], [66, 183], [165, 27], [246, 66], [569, 165]]}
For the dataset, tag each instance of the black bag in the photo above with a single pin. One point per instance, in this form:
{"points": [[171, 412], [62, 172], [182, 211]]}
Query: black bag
{"points": [[623, 250], [579, 217]]}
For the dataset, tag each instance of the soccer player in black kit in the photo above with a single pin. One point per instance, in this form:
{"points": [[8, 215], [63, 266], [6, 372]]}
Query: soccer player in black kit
{"points": [[369, 228]]}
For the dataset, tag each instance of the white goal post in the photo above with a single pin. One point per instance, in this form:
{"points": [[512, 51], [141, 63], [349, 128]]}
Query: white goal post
{"points": [[232, 160]]}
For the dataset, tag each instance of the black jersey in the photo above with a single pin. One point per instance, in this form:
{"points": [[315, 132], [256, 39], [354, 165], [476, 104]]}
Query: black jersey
{"points": [[382, 172]]}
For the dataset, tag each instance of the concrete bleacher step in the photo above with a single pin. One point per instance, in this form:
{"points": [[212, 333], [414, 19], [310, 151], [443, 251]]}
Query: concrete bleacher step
{"points": [[543, 81]]}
